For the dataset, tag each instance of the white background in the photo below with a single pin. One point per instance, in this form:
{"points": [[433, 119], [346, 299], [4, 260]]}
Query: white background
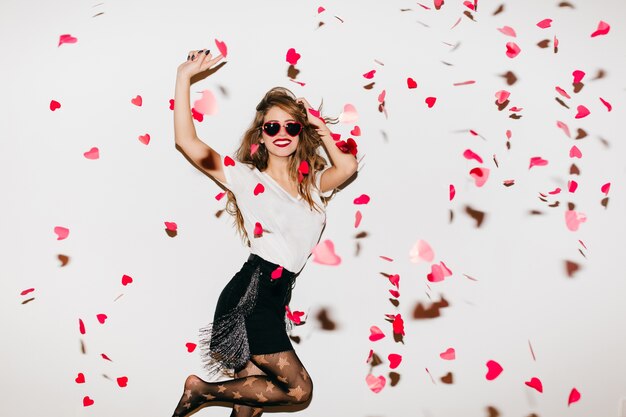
{"points": [[116, 206]]}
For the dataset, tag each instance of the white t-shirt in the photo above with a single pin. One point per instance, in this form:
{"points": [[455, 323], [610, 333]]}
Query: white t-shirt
{"points": [[291, 228]]}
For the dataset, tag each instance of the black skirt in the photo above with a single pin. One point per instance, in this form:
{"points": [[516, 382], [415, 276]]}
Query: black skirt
{"points": [[250, 318]]}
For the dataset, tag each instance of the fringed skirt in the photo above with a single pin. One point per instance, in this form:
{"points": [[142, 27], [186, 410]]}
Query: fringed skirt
{"points": [[250, 318]]}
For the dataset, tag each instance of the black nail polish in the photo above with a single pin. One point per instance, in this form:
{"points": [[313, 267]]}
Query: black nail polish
{"points": [[207, 51], [193, 57]]}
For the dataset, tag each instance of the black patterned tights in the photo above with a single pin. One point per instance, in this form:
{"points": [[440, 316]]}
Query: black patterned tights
{"points": [[283, 381]]}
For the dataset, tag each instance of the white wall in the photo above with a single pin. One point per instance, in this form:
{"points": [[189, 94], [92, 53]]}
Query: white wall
{"points": [[115, 206]]}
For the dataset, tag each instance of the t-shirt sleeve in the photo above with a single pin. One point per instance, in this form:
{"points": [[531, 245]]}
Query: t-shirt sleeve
{"points": [[318, 177], [237, 174]]}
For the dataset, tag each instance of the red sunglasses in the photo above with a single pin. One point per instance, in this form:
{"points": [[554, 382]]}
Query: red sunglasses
{"points": [[272, 128]]}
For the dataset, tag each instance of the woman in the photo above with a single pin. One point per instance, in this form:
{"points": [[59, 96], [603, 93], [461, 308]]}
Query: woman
{"points": [[276, 186]]}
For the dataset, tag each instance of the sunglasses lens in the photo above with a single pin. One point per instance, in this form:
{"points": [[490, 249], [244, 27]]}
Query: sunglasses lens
{"points": [[271, 128], [293, 128]]}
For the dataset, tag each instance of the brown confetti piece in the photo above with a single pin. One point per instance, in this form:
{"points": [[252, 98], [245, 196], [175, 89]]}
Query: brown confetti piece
{"points": [[605, 202], [422, 312], [544, 44], [451, 217], [64, 259], [394, 301], [338, 18], [447, 378], [379, 63], [369, 86], [83, 350], [375, 360], [171, 233], [28, 300], [492, 412], [566, 4], [477, 215], [292, 72], [580, 134], [499, 10], [532, 352], [561, 102], [573, 170], [571, 206], [571, 268], [361, 235], [395, 378], [510, 78], [325, 321], [296, 339]]}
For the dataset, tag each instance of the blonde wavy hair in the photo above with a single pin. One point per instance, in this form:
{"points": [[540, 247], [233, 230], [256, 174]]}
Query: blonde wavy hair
{"points": [[306, 151]]}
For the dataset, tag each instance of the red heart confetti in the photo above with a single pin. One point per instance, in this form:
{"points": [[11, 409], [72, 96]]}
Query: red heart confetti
{"points": [[545, 23], [171, 226], [535, 383], [376, 334], [394, 360], [303, 168], [145, 139], [356, 131], [27, 291], [502, 96], [398, 324], [292, 56], [430, 101], [259, 189], [480, 175], [87, 401], [395, 280], [221, 46], [66, 38], [572, 186], [369, 75], [512, 50], [606, 104], [80, 379], [122, 381], [410, 82], [493, 370], [582, 112], [126, 280], [137, 101], [295, 316], [92, 153], [277, 273], [104, 356], [81, 326], [452, 192], [362, 199], [101, 318], [449, 354], [54, 105], [190, 346], [603, 29], [258, 230], [574, 396], [537, 161], [469, 154], [605, 188], [320, 9], [228, 161]]}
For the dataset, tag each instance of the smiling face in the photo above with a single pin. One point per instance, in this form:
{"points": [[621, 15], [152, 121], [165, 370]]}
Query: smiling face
{"points": [[282, 144]]}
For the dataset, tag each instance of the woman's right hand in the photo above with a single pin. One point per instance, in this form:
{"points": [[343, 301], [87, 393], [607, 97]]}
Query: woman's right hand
{"points": [[197, 61]]}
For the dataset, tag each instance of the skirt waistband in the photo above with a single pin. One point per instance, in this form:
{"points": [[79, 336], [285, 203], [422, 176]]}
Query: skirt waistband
{"points": [[268, 266]]}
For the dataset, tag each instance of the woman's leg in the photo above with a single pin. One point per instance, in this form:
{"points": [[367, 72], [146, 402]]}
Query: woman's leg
{"points": [[286, 382], [244, 410]]}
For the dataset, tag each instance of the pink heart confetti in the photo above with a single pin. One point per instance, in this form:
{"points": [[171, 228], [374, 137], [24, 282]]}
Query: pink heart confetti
{"points": [[101, 318], [206, 105], [54, 105], [578, 76], [381, 96], [507, 30], [126, 280], [171, 226], [292, 56], [320, 9], [66, 38], [80, 379], [574, 152], [537, 161], [545, 23], [356, 131], [369, 75], [145, 139], [603, 29], [480, 175], [277, 273], [92, 153], [375, 383], [582, 112], [370, 356], [606, 104], [573, 219], [253, 148], [258, 189], [349, 114], [137, 101], [502, 96], [190, 346], [421, 251], [574, 396], [512, 50], [438, 273], [324, 253], [494, 370], [562, 92], [376, 334], [564, 127], [122, 381], [362, 199], [394, 360], [410, 83], [357, 218], [449, 354], [469, 154], [535, 383], [430, 101], [221, 46], [87, 401]]}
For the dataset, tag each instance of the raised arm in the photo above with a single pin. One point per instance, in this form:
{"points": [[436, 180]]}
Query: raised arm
{"points": [[199, 153]]}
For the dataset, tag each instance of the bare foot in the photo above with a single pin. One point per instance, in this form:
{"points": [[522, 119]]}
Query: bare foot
{"points": [[192, 399]]}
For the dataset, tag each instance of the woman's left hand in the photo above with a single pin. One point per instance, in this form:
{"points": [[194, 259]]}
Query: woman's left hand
{"points": [[312, 114]]}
